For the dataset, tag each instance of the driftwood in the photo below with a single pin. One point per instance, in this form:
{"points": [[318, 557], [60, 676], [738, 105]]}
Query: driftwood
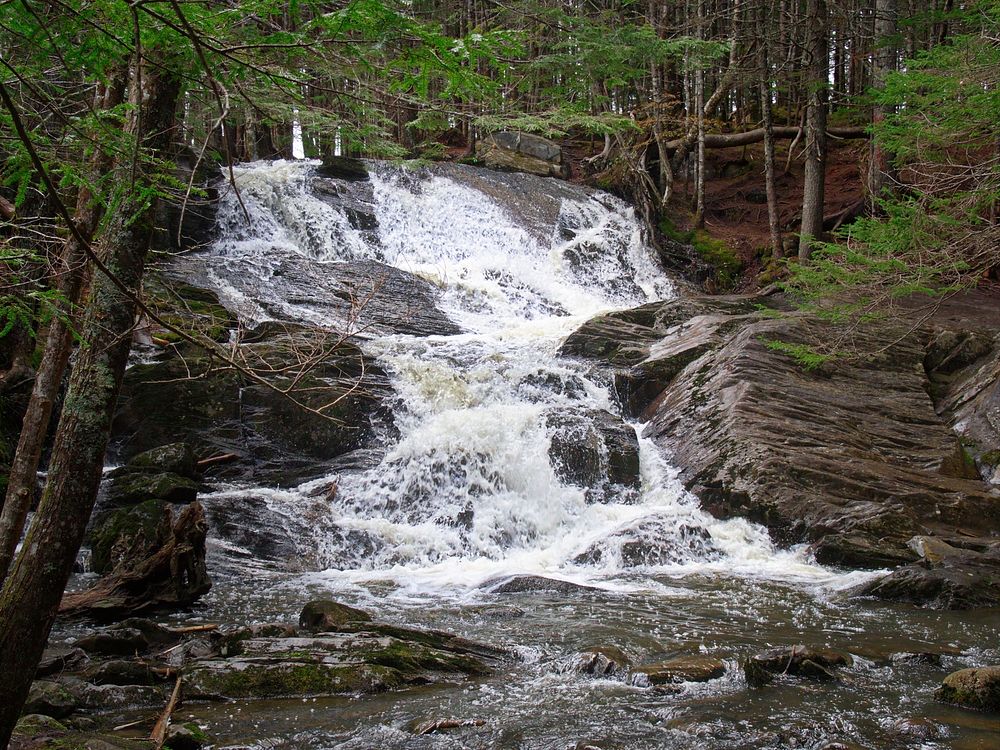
{"points": [[169, 573], [159, 733], [212, 460]]}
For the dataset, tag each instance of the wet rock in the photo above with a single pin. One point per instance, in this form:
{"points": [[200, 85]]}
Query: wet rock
{"points": [[50, 698], [120, 672], [132, 488], [652, 542], [430, 726], [915, 729], [853, 456], [230, 643], [187, 736], [602, 661], [946, 578], [801, 661], [326, 614], [859, 551], [595, 450], [135, 635], [173, 458], [106, 697], [918, 657], [527, 583], [976, 687], [188, 397], [56, 660], [522, 152], [331, 664], [495, 611], [683, 669], [343, 168]]}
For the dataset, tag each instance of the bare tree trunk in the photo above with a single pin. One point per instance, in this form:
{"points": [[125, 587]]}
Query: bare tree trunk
{"points": [[884, 60], [58, 345], [765, 109], [32, 592], [815, 171]]}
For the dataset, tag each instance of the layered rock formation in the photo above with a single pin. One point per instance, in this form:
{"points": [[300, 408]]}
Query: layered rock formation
{"points": [[857, 456]]}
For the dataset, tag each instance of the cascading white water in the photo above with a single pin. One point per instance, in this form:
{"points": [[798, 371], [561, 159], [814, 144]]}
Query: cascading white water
{"points": [[469, 489]]}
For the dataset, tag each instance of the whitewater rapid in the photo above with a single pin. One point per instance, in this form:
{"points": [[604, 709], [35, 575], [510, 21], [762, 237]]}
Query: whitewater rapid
{"points": [[466, 490]]}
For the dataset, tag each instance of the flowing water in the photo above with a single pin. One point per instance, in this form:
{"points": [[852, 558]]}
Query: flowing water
{"points": [[466, 487]]}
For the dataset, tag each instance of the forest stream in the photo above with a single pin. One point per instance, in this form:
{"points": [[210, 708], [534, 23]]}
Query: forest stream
{"points": [[503, 496]]}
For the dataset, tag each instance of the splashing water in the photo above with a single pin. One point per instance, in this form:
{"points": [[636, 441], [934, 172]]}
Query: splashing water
{"points": [[474, 486]]}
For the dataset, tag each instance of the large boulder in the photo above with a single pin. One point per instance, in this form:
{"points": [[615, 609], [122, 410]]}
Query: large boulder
{"points": [[522, 152], [977, 687], [597, 451], [314, 396]]}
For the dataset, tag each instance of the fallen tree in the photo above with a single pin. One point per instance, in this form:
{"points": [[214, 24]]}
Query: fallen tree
{"points": [[730, 140]]}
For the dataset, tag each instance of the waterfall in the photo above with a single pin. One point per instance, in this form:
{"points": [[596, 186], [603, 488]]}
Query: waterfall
{"points": [[506, 458]]}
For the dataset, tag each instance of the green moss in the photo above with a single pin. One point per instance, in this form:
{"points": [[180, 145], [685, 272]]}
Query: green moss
{"points": [[723, 259], [991, 458], [411, 657], [295, 679], [142, 519]]}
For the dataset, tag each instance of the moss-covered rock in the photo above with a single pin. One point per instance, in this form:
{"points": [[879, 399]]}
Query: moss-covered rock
{"points": [[172, 458], [274, 679], [36, 725], [326, 614], [977, 687], [123, 532], [50, 698], [129, 488]]}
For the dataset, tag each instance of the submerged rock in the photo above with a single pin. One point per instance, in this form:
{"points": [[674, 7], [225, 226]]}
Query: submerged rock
{"points": [[683, 669], [527, 583], [601, 661], [976, 687]]}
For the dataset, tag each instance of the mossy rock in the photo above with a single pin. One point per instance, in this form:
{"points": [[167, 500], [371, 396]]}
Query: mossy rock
{"points": [[410, 658], [131, 488], [173, 458], [976, 687], [50, 698], [191, 309], [239, 679], [720, 256], [35, 725], [132, 527], [328, 615]]}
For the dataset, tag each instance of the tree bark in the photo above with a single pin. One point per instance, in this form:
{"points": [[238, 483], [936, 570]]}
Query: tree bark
{"points": [[58, 345], [884, 61], [32, 591], [766, 112], [815, 168]]}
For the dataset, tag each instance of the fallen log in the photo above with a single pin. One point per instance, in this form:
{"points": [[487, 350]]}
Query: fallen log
{"points": [[159, 733], [729, 140]]}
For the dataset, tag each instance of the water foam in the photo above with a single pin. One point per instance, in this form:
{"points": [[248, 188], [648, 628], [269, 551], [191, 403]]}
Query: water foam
{"points": [[469, 491]]}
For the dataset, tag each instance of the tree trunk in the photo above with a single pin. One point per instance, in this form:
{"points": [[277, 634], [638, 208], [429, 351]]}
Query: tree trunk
{"points": [[32, 591], [58, 345], [815, 171], [884, 61], [765, 109]]}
